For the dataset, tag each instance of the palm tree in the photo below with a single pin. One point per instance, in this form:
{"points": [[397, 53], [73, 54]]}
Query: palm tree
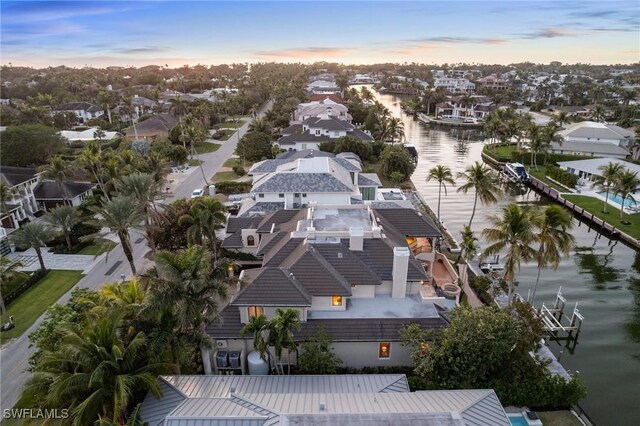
{"points": [[468, 247], [190, 286], [58, 170], [6, 194], [514, 231], [260, 327], [626, 184], [179, 108], [98, 135], [282, 327], [120, 215], [260, 125], [96, 372], [598, 113], [561, 119], [484, 181], [144, 189], [553, 233], [91, 159], [64, 217], [383, 131], [33, 235], [443, 175], [8, 272], [206, 216], [396, 129], [610, 173]]}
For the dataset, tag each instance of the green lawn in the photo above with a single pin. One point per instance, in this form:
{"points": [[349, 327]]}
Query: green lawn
{"points": [[226, 134], [230, 124], [595, 205], [194, 162], [558, 418], [207, 147], [35, 301], [222, 176], [98, 249], [541, 175], [232, 162]]}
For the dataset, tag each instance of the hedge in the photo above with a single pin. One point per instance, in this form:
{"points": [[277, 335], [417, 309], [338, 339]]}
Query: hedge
{"points": [[562, 176], [228, 187], [542, 158], [34, 278]]}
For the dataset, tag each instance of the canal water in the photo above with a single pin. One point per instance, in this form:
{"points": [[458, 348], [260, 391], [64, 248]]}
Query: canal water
{"points": [[603, 277]]}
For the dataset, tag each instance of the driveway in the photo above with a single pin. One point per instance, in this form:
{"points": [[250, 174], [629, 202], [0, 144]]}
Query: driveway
{"points": [[14, 355]]}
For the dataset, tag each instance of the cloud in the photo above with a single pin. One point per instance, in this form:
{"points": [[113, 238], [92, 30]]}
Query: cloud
{"points": [[548, 33], [38, 11], [138, 50], [304, 52], [452, 40]]}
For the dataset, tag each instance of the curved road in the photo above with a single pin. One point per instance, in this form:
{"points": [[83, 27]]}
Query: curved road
{"points": [[14, 355]]}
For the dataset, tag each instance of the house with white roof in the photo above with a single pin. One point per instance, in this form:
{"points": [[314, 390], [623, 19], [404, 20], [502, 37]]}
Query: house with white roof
{"points": [[326, 107], [358, 272], [457, 107], [595, 140], [88, 135], [590, 169], [455, 85], [354, 400]]}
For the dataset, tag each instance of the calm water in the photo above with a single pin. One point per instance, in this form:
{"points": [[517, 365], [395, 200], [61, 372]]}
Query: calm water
{"points": [[603, 277]]}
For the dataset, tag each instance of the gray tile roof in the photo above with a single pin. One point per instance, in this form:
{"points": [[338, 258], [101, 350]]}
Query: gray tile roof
{"points": [[80, 106], [49, 190], [273, 287], [594, 147], [275, 219], [331, 124], [302, 137], [306, 153], [235, 224], [361, 135], [408, 222], [152, 126], [303, 182], [233, 241], [348, 165], [293, 129], [369, 179], [257, 207], [377, 253], [13, 176]]}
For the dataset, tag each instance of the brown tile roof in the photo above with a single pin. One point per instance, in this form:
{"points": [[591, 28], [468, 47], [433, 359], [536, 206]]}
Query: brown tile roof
{"points": [[341, 330], [273, 287]]}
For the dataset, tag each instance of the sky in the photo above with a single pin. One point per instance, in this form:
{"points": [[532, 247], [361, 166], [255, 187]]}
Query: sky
{"points": [[176, 33]]}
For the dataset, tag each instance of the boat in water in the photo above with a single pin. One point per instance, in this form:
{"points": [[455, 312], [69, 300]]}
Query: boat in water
{"points": [[516, 172]]}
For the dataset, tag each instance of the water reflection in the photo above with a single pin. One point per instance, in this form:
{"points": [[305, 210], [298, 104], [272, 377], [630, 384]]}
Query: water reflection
{"points": [[633, 328], [597, 266]]}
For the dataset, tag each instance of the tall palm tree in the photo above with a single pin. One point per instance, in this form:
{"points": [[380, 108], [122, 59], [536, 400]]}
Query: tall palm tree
{"points": [[91, 160], [553, 232], [144, 189], [96, 372], [626, 184], [191, 288], [34, 235], [260, 125], [396, 129], [469, 244], [120, 215], [383, 131], [59, 170], [484, 181], [514, 231], [605, 181], [260, 327], [64, 217], [443, 175], [206, 216], [598, 113], [8, 272], [179, 107], [282, 327]]}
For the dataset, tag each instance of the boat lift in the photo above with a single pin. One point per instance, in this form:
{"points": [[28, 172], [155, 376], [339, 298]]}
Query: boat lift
{"points": [[554, 317]]}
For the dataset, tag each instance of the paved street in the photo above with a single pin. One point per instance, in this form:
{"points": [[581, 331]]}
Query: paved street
{"points": [[14, 355]]}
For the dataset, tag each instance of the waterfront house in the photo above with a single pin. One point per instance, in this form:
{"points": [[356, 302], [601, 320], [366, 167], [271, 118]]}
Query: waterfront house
{"points": [[590, 169], [325, 107], [594, 139], [457, 107], [494, 82], [358, 272], [85, 111], [354, 399], [88, 135], [157, 126], [455, 85], [315, 130]]}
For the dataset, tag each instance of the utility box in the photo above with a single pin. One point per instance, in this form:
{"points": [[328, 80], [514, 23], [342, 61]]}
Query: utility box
{"points": [[222, 359], [234, 359], [212, 190]]}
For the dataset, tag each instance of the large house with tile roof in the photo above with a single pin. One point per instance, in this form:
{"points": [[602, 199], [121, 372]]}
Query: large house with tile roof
{"points": [[318, 108], [355, 400], [595, 140], [357, 272], [315, 130], [85, 111]]}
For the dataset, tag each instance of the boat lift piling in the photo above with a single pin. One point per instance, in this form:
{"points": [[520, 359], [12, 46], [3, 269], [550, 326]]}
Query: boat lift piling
{"points": [[553, 318]]}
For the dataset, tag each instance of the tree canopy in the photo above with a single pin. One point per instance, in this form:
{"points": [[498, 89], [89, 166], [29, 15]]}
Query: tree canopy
{"points": [[396, 159], [29, 145], [254, 146]]}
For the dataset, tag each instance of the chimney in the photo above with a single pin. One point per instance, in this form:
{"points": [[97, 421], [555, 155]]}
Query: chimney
{"points": [[311, 233], [400, 266], [377, 232], [356, 239]]}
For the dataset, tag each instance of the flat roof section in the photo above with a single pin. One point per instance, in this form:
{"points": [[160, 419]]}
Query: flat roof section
{"points": [[326, 219], [381, 307]]}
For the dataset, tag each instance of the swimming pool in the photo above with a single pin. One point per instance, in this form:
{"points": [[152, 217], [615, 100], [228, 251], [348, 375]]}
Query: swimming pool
{"points": [[618, 199], [517, 420]]}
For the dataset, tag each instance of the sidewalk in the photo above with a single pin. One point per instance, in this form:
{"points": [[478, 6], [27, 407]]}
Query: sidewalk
{"points": [[67, 262]]}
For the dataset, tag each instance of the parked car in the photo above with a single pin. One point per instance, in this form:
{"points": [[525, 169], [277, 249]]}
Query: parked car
{"points": [[197, 193]]}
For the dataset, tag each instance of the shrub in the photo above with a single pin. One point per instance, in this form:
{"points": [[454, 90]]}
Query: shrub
{"points": [[481, 285], [228, 187], [352, 144], [564, 177], [328, 146], [239, 170], [396, 159], [397, 177], [317, 356]]}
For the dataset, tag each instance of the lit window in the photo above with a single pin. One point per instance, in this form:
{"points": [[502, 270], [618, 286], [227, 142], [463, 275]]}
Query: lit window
{"points": [[424, 348], [353, 286], [336, 300], [255, 311], [384, 350]]}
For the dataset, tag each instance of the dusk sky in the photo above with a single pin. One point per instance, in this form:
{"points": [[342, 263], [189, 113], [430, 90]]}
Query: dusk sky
{"points": [[49, 33]]}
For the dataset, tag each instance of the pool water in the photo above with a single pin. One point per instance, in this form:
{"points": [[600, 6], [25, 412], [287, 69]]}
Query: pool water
{"points": [[618, 199], [517, 420]]}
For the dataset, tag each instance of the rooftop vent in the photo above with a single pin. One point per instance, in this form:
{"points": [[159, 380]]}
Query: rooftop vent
{"points": [[323, 406], [339, 255]]}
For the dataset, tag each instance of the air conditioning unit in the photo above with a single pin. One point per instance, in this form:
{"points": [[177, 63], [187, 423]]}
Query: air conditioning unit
{"points": [[234, 359], [222, 359], [221, 344]]}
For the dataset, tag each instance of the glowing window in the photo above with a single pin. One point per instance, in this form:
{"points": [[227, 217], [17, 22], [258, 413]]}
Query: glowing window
{"points": [[336, 300], [255, 311], [384, 350]]}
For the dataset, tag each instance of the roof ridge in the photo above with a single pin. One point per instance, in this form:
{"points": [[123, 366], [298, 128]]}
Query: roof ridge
{"points": [[292, 279], [487, 392]]}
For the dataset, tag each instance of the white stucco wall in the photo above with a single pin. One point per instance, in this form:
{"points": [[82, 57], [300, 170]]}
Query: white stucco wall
{"points": [[365, 354], [363, 291], [324, 304]]}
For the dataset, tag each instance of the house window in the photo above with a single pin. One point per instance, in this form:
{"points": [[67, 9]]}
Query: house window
{"points": [[260, 195], [317, 132], [281, 195], [424, 348], [255, 311], [336, 300], [251, 240], [384, 350], [304, 195]]}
